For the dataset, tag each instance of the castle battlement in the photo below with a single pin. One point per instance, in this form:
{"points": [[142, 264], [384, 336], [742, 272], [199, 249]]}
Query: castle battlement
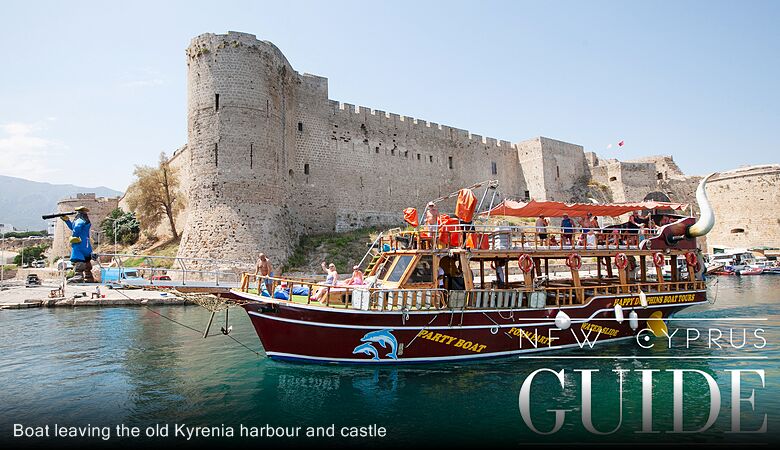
{"points": [[271, 157]]}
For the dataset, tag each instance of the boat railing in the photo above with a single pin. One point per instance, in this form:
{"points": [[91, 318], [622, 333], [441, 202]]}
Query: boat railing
{"points": [[383, 299], [490, 237]]}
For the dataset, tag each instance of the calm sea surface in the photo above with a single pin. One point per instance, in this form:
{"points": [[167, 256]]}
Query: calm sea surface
{"points": [[130, 366]]}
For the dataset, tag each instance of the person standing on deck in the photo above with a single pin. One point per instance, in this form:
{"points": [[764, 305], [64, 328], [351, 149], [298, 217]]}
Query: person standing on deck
{"points": [[541, 229], [567, 226], [264, 268], [81, 249]]}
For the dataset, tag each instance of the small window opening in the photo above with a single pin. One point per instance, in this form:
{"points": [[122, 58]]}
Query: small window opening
{"points": [[376, 150], [612, 178], [306, 169], [527, 195], [216, 155], [493, 168], [659, 176], [251, 155], [300, 127], [737, 230], [430, 158], [449, 162], [418, 157], [557, 172], [216, 102]]}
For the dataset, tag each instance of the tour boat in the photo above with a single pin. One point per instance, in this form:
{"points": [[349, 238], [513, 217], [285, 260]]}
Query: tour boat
{"points": [[442, 293]]}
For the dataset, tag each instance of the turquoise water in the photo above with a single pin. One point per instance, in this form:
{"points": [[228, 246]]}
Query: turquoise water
{"points": [[130, 366]]}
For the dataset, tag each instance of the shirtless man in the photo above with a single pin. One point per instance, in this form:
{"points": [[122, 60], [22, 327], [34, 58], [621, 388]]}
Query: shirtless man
{"points": [[264, 268], [432, 214]]}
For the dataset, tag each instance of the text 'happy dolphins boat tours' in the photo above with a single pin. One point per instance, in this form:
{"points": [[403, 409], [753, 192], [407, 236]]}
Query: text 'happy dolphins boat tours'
{"points": [[430, 294]]}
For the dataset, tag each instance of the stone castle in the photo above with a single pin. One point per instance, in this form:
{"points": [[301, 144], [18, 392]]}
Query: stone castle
{"points": [[270, 157]]}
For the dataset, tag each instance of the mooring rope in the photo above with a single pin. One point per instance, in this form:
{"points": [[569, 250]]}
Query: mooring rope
{"points": [[189, 327]]}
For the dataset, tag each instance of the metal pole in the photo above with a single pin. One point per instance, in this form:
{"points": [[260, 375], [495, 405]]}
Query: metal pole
{"points": [[114, 235], [2, 258]]}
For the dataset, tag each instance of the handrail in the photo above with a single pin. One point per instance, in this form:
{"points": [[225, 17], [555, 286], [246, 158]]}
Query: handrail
{"points": [[524, 237], [371, 247], [430, 298]]}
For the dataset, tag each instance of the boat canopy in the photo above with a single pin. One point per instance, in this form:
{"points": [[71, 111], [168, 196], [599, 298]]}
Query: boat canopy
{"points": [[536, 208]]}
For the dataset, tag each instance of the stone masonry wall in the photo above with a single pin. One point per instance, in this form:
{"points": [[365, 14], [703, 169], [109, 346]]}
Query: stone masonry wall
{"points": [[747, 207], [270, 157]]}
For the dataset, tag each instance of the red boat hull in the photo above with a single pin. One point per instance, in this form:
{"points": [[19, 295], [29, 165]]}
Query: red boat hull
{"points": [[311, 333]]}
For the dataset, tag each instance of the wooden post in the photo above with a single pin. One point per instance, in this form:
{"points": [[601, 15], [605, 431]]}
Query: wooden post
{"points": [[575, 278], [623, 274], [643, 269], [673, 263], [598, 267], [538, 266], [547, 266], [608, 263]]}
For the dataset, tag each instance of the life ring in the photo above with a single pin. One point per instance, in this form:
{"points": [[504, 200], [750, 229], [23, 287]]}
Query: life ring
{"points": [[658, 259], [691, 259], [574, 261], [621, 261], [525, 262]]}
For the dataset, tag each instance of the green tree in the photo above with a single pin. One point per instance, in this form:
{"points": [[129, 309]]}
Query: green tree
{"points": [[30, 253], [127, 227], [154, 195]]}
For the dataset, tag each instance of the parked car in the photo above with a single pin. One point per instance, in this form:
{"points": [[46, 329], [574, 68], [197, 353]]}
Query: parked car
{"points": [[40, 264], [32, 280], [161, 278]]}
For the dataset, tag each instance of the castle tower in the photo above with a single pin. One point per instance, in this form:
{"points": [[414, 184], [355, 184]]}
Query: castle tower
{"points": [[241, 101]]}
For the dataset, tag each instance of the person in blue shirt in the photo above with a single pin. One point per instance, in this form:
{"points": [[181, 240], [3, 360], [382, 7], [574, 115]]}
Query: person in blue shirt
{"points": [[567, 226], [81, 249]]}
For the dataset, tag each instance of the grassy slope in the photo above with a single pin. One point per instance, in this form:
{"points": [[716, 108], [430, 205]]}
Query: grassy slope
{"points": [[343, 249]]}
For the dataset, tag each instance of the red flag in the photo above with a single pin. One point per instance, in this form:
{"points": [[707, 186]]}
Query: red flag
{"points": [[621, 143]]}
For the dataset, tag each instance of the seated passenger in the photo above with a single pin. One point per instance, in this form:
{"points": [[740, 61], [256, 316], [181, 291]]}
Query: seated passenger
{"points": [[356, 279], [331, 280]]}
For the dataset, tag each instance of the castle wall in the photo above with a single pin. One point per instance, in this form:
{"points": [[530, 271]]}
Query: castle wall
{"points": [[270, 157], [99, 209], [276, 158], [552, 168], [747, 207]]}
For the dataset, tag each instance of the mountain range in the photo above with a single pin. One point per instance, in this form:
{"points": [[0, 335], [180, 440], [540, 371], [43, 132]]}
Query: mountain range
{"points": [[22, 202]]}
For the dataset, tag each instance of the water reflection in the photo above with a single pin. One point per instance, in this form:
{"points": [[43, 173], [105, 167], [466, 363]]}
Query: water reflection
{"points": [[129, 365]]}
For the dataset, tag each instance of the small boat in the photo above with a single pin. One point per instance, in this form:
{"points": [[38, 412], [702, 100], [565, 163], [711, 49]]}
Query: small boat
{"points": [[751, 271], [771, 271], [430, 294]]}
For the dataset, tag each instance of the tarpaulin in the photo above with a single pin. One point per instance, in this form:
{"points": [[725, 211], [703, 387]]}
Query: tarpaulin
{"points": [[410, 216], [466, 205]]}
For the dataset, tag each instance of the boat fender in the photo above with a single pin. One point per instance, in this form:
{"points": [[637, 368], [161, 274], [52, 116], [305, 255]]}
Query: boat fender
{"points": [[643, 299], [574, 261], [525, 262], [562, 321], [619, 313], [658, 259], [691, 259], [633, 320], [621, 261]]}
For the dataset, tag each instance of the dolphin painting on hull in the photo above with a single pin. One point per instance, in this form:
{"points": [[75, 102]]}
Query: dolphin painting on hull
{"points": [[366, 349], [385, 339]]}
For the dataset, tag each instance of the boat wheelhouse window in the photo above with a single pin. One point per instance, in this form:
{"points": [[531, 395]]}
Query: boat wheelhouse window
{"points": [[385, 268], [400, 267], [423, 272]]}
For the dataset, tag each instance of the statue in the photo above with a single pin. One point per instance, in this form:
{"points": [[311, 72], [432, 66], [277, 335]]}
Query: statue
{"points": [[81, 249]]}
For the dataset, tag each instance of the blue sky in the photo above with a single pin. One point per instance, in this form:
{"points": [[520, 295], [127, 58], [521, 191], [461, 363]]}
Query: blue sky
{"points": [[89, 89]]}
